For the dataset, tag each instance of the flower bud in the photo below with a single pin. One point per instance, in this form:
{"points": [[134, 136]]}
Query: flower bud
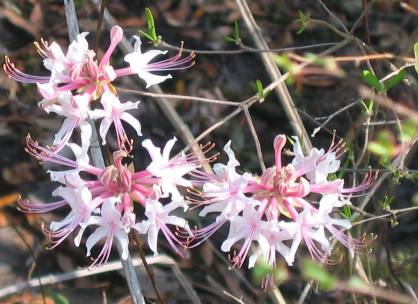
{"points": [[116, 34]]}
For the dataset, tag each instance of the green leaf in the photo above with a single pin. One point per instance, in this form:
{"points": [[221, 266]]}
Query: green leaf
{"points": [[58, 298], [416, 56], [235, 35], [236, 31], [261, 270], [146, 35], [315, 271], [151, 34], [409, 130], [259, 86], [368, 106], [379, 149], [230, 39], [394, 80], [357, 283], [283, 61], [151, 24], [387, 201], [350, 157], [384, 145], [291, 140], [373, 81], [262, 94], [303, 20], [346, 213], [326, 62], [415, 199]]}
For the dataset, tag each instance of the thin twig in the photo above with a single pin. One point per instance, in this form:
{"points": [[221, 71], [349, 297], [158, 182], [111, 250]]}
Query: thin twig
{"points": [[99, 25], [277, 295], [388, 103], [51, 279], [274, 73], [253, 99], [148, 269], [238, 300], [330, 117], [305, 293], [186, 284], [32, 254], [245, 49], [256, 139], [179, 97], [392, 213], [360, 18], [336, 19], [213, 127]]}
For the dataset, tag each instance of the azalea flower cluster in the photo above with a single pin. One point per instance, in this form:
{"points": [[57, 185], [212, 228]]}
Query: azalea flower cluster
{"points": [[77, 79], [106, 198], [278, 210]]}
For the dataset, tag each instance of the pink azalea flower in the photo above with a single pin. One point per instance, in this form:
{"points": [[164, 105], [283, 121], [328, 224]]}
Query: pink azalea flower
{"points": [[270, 240], [80, 202], [113, 112], [112, 192], [79, 72], [318, 164], [170, 171], [223, 192], [246, 227], [110, 227], [277, 210], [75, 109], [157, 219], [303, 229], [140, 64]]}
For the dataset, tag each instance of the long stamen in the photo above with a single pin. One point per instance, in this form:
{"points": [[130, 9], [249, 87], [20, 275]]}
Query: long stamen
{"points": [[14, 73], [29, 206]]}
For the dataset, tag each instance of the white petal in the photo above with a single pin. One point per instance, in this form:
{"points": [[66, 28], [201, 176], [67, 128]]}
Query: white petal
{"points": [[95, 237], [143, 227], [146, 57], [215, 207], [177, 221], [123, 240], [109, 102], [85, 135], [132, 121], [153, 239], [153, 151], [253, 258], [231, 155], [341, 222], [151, 79], [137, 45], [77, 239], [67, 127], [138, 62], [290, 258], [167, 149], [129, 105], [98, 113], [104, 128]]}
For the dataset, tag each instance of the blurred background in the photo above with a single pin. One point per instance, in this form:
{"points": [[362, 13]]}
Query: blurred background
{"points": [[388, 27]]}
